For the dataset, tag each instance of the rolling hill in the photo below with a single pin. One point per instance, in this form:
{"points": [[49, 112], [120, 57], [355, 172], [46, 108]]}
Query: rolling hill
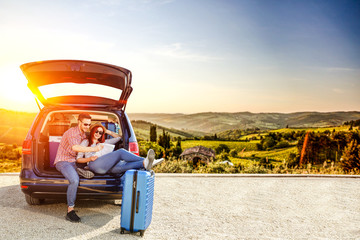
{"points": [[14, 125], [212, 122], [142, 130]]}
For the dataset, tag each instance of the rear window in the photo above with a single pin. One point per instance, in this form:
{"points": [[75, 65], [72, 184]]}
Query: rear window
{"points": [[69, 89], [58, 122]]}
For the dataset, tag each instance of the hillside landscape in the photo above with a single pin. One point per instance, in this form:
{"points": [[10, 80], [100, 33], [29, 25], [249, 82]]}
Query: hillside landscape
{"points": [[212, 122], [250, 143], [14, 125]]}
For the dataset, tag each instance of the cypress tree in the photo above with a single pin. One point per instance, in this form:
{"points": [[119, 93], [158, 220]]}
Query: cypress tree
{"points": [[153, 135], [164, 140]]}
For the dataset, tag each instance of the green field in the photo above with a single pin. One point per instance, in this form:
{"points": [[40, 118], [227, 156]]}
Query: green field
{"points": [[247, 152], [238, 146], [275, 154], [323, 129]]}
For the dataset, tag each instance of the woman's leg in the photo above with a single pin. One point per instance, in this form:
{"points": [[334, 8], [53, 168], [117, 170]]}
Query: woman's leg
{"points": [[104, 163], [123, 166], [128, 156]]}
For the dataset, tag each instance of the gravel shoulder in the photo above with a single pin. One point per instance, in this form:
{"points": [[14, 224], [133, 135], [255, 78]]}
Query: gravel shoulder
{"points": [[201, 208]]}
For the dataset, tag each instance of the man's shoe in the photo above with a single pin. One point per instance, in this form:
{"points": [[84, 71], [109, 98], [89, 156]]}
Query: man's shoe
{"points": [[158, 161], [85, 173], [148, 162], [72, 217]]}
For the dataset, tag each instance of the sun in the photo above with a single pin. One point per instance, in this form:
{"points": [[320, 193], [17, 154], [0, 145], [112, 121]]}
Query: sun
{"points": [[14, 93]]}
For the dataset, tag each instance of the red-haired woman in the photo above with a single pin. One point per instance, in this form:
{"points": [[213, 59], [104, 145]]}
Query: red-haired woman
{"points": [[118, 161]]}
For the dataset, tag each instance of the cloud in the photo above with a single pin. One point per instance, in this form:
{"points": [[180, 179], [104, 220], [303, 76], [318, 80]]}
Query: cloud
{"points": [[334, 69], [138, 3], [109, 2], [338, 90], [159, 1], [339, 69], [177, 51]]}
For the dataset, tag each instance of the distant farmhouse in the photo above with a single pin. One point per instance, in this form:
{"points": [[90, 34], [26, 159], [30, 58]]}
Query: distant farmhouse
{"points": [[198, 154]]}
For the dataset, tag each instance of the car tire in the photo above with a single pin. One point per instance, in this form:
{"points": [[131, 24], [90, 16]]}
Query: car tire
{"points": [[33, 201]]}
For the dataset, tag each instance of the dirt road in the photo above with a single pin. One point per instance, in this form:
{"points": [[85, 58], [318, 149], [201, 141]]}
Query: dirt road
{"points": [[201, 208]]}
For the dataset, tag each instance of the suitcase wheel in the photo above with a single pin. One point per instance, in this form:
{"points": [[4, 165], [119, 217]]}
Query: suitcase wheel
{"points": [[122, 231], [142, 233]]}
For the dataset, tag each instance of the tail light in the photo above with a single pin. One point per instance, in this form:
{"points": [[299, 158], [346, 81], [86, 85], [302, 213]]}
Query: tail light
{"points": [[134, 148], [26, 147]]}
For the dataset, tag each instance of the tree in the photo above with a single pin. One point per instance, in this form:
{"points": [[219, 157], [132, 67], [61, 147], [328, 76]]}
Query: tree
{"points": [[233, 153], [145, 146], [153, 136], [178, 142], [259, 146], [223, 155], [177, 150], [164, 140], [351, 156], [221, 148], [268, 142], [282, 144]]}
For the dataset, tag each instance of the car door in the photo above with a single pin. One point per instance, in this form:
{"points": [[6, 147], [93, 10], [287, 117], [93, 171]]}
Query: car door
{"points": [[55, 72]]}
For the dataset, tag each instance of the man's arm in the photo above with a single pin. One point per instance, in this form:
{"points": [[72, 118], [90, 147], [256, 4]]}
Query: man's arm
{"points": [[79, 148], [85, 160]]}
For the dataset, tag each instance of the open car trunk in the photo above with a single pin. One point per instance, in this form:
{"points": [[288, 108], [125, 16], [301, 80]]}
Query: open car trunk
{"points": [[70, 77], [54, 125]]}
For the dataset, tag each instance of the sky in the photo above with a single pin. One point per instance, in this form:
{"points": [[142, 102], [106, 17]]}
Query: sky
{"points": [[194, 56]]}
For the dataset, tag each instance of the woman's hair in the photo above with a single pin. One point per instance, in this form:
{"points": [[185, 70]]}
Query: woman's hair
{"points": [[93, 129]]}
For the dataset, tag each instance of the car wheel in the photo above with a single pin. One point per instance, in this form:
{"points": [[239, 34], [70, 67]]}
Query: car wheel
{"points": [[33, 201]]}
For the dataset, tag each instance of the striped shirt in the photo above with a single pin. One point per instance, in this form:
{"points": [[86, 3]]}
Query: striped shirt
{"points": [[71, 137]]}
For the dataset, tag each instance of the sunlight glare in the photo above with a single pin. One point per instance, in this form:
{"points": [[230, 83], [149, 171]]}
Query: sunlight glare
{"points": [[16, 93]]}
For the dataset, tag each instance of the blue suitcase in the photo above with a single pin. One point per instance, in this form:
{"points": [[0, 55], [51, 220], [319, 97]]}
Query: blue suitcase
{"points": [[137, 201]]}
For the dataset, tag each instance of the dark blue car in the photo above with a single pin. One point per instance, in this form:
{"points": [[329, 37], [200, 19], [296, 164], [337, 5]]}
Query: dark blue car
{"points": [[63, 90]]}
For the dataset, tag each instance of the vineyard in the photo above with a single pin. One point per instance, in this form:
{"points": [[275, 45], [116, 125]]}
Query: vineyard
{"points": [[328, 149]]}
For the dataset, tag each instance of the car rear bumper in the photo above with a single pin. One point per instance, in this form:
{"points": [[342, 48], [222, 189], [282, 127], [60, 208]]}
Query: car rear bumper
{"points": [[99, 187]]}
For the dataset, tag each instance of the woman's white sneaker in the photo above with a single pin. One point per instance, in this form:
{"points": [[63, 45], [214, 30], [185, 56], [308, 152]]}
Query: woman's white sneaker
{"points": [[148, 161], [158, 161]]}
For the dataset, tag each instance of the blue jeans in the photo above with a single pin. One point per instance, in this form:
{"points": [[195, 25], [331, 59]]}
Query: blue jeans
{"points": [[68, 169], [118, 161]]}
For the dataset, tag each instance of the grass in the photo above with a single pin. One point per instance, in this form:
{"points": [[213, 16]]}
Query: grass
{"points": [[239, 146], [10, 158], [275, 154], [248, 167], [322, 129], [275, 157], [7, 165]]}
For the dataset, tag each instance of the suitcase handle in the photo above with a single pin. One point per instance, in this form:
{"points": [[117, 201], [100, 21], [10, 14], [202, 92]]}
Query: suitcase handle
{"points": [[137, 201]]}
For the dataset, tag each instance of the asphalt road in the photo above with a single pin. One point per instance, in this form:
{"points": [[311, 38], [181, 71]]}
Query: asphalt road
{"points": [[249, 207]]}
